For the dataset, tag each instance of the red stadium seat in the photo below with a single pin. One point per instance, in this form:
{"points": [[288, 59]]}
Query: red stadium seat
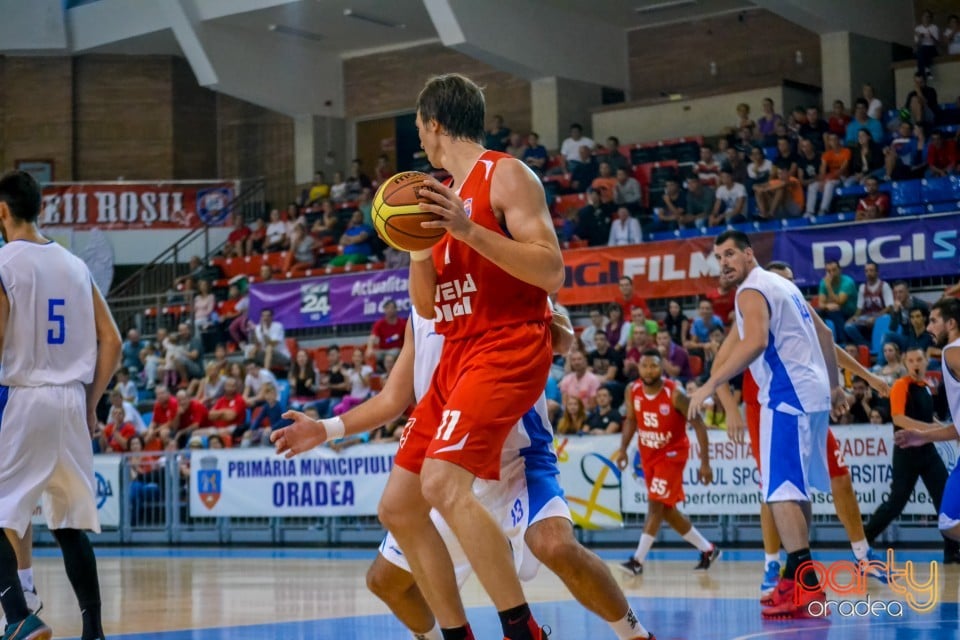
{"points": [[568, 202], [696, 365]]}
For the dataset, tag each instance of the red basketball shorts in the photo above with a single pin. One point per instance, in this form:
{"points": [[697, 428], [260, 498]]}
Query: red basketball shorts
{"points": [[664, 475], [482, 387], [835, 463]]}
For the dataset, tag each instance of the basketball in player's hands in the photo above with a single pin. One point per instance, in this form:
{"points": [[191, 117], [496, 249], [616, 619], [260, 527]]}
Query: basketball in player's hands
{"points": [[397, 215]]}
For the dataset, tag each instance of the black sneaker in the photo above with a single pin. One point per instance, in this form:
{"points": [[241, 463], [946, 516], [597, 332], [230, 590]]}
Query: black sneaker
{"points": [[707, 558], [631, 567]]}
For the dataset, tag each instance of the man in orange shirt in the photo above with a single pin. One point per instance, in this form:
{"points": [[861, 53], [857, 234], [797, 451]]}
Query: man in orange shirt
{"points": [[605, 184], [781, 196], [833, 166]]}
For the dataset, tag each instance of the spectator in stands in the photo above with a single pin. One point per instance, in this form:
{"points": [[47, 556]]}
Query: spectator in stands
{"points": [[837, 299], [187, 360], [861, 402], [675, 360], [593, 223], [904, 157], [357, 181], [626, 191], [269, 342], [355, 243], [604, 418], [890, 366], [951, 35], [365, 205], [236, 241], [616, 327], [596, 326], [903, 302], [759, 169], [922, 102], [387, 334], [874, 298], [151, 358], [767, 123], [814, 128], [516, 147], [192, 416], [839, 119], [629, 298], [130, 352], [253, 383], [616, 159], [744, 121], [914, 335], [874, 105], [834, 165], [125, 385], [808, 164], [720, 155], [327, 229], [319, 191], [606, 362], [926, 40], [861, 120], [570, 147], [229, 412], [730, 206], [639, 322], [700, 199], [128, 409], [258, 237], [675, 322], [708, 169], [211, 388], [115, 434], [535, 154], [277, 232], [867, 160], [497, 136], [198, 271], [779, 197], [574, 417], [786, 160], [165, 418], [204, 306], [302, 255], [334, 379], [874, 204], [797, 118], [338, 190], [303, 381], [358, 377], [605, 184], [705, 322], [736, 166], [624, 230], [233, 315], [585, 171], [941, 156], [673, 207], [580, 383]]}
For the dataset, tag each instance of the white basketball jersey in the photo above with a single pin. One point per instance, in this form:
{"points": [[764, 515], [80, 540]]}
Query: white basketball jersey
{"points": [[51, 336], [952, 386], [791, 372]]}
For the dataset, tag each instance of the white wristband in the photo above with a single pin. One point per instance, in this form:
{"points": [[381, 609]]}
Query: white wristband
{"points": [[420, 256], [334, 428]]}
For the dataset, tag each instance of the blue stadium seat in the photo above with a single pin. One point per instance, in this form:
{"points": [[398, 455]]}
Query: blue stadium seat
{"points": [[936, 190], [283, 393], [829, 323], [790, 223], [770, 153], [880, 327], [853, 190], [904, 193], [943, 207], [911, 210]]}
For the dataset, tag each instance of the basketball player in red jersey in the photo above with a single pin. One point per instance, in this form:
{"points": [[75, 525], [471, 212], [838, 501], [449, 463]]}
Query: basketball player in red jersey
{"points": [[664, 448], [841, 484], [485, 284]]}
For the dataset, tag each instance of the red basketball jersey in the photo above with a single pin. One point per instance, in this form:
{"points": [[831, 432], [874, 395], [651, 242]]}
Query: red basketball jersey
{"points": [[749, 392], [660, 427], [473, 294]]}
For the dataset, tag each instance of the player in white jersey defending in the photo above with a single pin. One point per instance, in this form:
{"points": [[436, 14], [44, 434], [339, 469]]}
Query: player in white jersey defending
{"points": [[945, 326], [777, 341], [60, 347], [527, 500]]}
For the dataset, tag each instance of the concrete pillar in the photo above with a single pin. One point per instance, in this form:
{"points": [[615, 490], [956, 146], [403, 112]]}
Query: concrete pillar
{"points": [[849, 61], [315, 138], [556, 103]]}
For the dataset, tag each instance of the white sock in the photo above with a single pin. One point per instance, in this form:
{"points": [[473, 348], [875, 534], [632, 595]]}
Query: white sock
{"points": [[643, 548], [628, 627], [860, 549], [770, 557], [26, 579], [433, 634], [696, 538]]}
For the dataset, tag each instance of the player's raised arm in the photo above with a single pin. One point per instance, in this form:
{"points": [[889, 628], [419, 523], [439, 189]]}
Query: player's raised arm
{"points": [[397, 394], [109, 345]]}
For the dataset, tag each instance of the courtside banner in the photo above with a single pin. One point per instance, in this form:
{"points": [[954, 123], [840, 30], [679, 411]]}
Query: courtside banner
{"points": [[136, 205], [257, 482], [902, 248], [590, 479], [665, 269], [867, 451], [106, 473], [331, 300]]}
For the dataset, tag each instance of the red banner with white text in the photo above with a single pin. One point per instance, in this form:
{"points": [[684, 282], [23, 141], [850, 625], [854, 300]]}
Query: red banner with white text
{"points": [[665, 269], [136, 205]]}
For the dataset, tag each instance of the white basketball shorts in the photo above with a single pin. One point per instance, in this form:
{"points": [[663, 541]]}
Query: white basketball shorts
{"points": [[793, 454], [45, 452]]}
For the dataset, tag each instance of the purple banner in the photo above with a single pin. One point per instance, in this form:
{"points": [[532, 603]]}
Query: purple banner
{"points": [[902, 248], [331, 300]]}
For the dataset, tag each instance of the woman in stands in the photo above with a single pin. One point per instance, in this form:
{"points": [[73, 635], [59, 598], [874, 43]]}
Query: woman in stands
{"points": [[359, 378], [574, 417], [303, 381], [767, 123], [867, 160], [893, 369], [676, 322]]}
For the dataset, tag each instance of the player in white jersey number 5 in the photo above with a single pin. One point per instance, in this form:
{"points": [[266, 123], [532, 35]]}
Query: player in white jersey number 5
{"points": [[945, 327], [60, 347], [527, 500]]}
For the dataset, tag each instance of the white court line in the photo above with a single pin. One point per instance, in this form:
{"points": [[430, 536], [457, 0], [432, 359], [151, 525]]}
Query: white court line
{"points": [[781, 632]]}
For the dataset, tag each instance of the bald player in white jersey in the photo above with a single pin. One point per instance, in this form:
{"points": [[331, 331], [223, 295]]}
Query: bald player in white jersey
{"points": [[60, 348], [527, 500], [945, 326]]}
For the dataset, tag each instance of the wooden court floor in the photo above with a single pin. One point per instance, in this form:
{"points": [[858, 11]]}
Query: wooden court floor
{"points": [[236, 594]]}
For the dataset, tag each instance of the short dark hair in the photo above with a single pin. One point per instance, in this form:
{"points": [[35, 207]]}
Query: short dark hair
{"points": [[249, 361], [739, 238], [949, 309], [779, 265], [830, 262], [861, 102], [576, 125], [915, 347], [456, 103], [616, 140], [333, 347], [650, 353], [922, 310], [22, 194]]}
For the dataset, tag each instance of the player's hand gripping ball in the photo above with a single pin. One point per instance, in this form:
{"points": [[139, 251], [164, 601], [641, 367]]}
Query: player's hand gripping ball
{"points": [[397, 215]]}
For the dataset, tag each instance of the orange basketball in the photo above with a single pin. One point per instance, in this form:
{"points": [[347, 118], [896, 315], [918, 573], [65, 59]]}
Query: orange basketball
{"points": [[397, 215]]}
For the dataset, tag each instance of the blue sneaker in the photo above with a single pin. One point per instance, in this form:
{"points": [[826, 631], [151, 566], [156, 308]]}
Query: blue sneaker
{"points": [[30, 628], [876, 574], [771, 576]]}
